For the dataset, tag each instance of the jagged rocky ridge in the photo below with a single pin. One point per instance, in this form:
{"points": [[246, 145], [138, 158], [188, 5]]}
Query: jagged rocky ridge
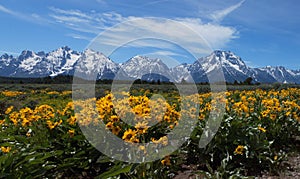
{"points": [[95, 65]]}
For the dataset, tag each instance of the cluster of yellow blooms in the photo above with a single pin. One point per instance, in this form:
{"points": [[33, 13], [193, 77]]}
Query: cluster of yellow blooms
{"points": [[26, 116], [58, 93], [265, 104], [12, 93], [142, 112], [53, 92]]}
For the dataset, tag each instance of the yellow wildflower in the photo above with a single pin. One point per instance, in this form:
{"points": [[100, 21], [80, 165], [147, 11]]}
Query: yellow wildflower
{"points": [[25, 122], [273, 116], [2, 122], [129, 135], [116, 130], [262, 129], [5, 149], [8, 110], [166, 161], [50, 125], [72, 120], [239, 150], [114, 118], [14, 117], [142, 127], [163, 140], [109, 125], [71, 133]]}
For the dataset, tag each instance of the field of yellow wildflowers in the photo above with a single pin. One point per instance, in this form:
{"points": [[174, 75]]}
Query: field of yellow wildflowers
{"points": [[41, 137]]}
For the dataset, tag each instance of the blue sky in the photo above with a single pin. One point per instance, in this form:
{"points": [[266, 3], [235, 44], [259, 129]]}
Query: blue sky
{"points": [[264, 32]]}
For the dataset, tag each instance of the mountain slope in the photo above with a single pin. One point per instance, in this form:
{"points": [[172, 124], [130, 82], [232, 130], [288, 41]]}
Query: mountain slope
{"points": [[279, 74], [232, 66], [8, 65], [31, 64], [95, 65], [144, 68]]}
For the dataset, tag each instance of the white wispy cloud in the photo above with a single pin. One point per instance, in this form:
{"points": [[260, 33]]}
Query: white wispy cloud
{"points": [[114, 28], [75, 13], [215, 35], [34, 18], [191, 34], [89, 22], [79, 36], [8, 11], [219, 15], [166, 53]]}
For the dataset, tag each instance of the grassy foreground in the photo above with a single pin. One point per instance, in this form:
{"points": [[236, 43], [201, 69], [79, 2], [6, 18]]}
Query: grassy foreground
{"points": [[40, 134]]}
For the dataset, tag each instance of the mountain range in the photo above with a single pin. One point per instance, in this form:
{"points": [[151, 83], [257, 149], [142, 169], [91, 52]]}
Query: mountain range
{"points": [[93, 64]]}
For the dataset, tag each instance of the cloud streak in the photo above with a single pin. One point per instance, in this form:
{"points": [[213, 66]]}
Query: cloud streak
{"points": [[5, 10], [219, 15], [191, 34], [88, 22], [213, 35], [34, 18], [79, 36]]}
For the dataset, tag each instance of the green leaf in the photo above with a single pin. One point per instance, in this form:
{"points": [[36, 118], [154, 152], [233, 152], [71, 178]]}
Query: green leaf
{"points": [[9, 160], [115, 171], [133, 167], [103, 159]]}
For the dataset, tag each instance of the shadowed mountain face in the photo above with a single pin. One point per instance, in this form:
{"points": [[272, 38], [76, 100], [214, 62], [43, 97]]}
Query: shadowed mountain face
{"points": [[95, 65]]}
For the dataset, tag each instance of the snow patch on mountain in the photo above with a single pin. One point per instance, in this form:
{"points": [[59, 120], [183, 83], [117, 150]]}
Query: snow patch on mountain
{"points": [[93, 64], [140, 66]]}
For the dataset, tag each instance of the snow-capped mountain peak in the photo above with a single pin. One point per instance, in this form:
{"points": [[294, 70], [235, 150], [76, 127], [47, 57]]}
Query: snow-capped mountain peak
{"points": [[280, 74], [140, 67], [94, 64], [232, 66]]}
